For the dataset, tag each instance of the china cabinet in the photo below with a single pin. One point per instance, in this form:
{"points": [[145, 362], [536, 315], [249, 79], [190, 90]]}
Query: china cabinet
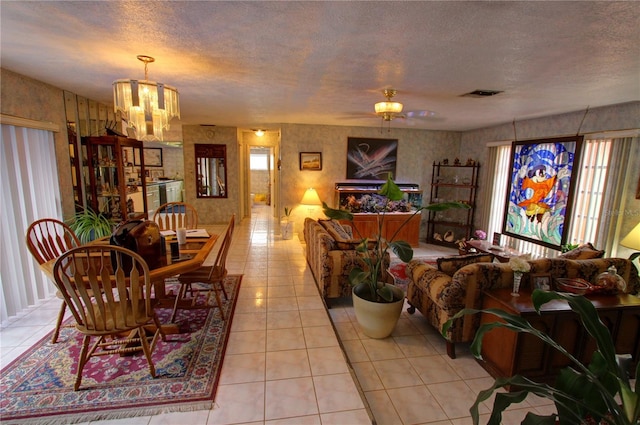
{"points": [[452, 182], [113, 185]]}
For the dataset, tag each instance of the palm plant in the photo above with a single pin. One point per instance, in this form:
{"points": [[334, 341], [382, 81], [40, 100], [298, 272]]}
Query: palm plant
{"points": [[598, 393]]}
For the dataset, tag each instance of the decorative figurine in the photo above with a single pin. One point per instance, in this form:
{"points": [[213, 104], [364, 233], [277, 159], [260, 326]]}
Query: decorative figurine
{"points": [[445, 161], [456, 161]]}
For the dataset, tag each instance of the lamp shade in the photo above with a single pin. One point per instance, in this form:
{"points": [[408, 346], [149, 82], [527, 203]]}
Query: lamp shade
{"points": [[632, 240], [311, 197]]}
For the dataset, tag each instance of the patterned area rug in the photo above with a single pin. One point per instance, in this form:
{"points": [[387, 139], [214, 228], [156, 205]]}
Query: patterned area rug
{"points": [[37, 388], [398, 271]]}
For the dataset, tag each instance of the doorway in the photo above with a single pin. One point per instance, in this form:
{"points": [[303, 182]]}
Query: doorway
{"points": [[261, 175]]}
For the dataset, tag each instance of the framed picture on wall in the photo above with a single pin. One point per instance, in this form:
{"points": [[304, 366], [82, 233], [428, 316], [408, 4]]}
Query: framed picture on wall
{"points": [[540, 190], [369, 159], [152, 157], [311, 161]]}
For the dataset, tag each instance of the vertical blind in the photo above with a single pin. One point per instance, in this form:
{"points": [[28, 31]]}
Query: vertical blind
{"points": [[29, 191]]}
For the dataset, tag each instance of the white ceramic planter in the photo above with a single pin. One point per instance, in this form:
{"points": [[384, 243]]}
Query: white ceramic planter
{"points": [[377, 320], [286, 229]]}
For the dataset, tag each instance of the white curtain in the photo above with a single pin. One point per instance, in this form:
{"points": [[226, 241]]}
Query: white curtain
{"points": [[29, 191], [620, 162]]}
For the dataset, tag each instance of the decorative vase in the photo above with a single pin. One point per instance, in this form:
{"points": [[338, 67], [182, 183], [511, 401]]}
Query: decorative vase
{"points": [[377, 320], [286, 228], [611, 281], [517, 278]]}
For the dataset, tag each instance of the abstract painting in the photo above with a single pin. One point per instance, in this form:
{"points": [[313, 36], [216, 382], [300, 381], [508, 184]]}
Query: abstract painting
{"points": [[371, 159], [540, 190]]}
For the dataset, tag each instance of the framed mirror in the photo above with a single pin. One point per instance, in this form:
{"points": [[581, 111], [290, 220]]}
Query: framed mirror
{"points": [[211, 171]]}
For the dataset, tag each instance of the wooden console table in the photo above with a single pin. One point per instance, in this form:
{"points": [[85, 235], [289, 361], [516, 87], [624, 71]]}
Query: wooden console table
{"points": [[507, 353]]}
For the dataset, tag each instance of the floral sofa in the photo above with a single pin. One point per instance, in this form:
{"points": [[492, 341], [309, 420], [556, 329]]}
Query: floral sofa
{"points": [[439, 295], [331, 254]]}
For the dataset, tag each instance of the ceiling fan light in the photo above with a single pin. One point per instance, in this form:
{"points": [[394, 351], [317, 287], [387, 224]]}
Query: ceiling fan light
{"points": [[387, 107]]}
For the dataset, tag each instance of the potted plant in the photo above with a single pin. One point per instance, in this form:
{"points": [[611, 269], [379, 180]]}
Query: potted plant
{"points": [[598, 393], [286, 226], [89, 225], [377, 304]]}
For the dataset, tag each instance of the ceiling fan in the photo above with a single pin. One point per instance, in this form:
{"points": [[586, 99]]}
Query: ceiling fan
{"points": [[389, 110]]}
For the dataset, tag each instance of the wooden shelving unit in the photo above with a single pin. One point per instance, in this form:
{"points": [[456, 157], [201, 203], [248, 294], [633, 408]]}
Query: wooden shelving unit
{"points": [[452, 182]]}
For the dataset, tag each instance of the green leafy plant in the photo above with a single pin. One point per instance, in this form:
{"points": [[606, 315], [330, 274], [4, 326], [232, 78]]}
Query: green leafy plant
{"points": [[89, 225], [568, 247], [287, 212], [598, 393], [374, 256]]}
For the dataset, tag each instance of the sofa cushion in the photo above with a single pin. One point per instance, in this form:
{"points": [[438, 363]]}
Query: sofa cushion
{"points": [[343, 239], [335, 229], [584, 252], [450, 265]]}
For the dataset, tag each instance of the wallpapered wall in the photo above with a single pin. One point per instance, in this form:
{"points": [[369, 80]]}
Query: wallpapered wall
{"points": [[211, 210], [27, 98], [417, 150]]}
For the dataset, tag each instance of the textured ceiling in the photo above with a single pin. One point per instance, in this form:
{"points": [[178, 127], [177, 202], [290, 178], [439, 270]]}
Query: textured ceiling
{"points": [[258, 64]]}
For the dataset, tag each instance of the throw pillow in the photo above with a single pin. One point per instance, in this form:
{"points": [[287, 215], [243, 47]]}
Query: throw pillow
{"points": [[584, 252], [342, 237], [450, 265], [335, 229]]}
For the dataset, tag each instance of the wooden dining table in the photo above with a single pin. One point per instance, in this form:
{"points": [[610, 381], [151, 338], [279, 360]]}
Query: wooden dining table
{"points": [[192, 256]]}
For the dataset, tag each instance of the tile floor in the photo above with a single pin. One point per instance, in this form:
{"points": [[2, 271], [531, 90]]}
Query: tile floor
{"points": [[285, 365]]}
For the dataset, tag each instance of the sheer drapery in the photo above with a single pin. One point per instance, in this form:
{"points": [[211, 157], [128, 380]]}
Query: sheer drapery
{"points": [[620, 163], [29, 191]]}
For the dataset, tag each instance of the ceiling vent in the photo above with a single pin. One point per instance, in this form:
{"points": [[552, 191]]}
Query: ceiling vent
{"points": [[482, 93]]}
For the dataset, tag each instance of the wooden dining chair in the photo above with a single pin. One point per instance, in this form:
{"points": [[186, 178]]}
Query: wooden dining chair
{"points": [[47, 239], [211, 276], [174, 215], [124, 308]]}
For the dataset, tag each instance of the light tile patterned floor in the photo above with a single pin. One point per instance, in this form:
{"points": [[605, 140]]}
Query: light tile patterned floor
{"points": [[284, 363]]}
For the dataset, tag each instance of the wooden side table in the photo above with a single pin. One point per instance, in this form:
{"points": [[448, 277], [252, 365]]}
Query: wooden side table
{"points": [[507, 353]]}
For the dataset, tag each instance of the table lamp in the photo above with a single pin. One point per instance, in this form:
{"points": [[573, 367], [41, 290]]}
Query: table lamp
{"points": [[632, 240], [310, 199]]}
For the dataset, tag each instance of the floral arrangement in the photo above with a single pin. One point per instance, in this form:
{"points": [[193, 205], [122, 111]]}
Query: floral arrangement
{"points": [[520, 264], [481, 234]]}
